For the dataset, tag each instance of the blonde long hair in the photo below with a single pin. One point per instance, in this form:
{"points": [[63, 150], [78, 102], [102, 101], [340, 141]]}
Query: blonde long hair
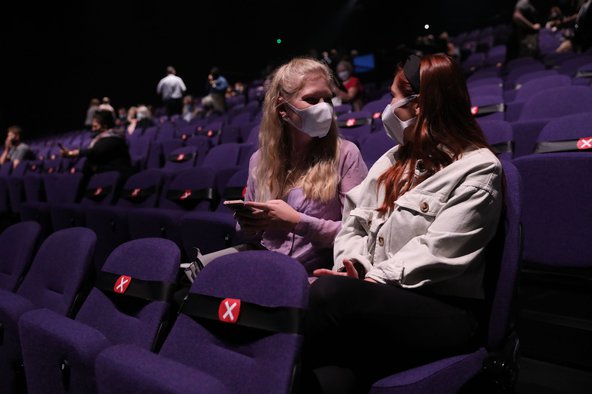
{"points": [[275, 174]]}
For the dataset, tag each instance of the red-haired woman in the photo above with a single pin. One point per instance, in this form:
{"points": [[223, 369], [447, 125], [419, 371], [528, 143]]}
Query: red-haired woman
{"points": [[412, 238]]}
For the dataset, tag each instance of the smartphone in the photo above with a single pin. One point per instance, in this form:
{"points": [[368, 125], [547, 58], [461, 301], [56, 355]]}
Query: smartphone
{"points": [[238, 206]]}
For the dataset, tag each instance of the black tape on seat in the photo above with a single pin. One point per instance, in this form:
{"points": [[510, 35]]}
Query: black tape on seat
{"points": [[189, 198], [181, 157], [487, 109], [580, 145], [503, 147], [584, 74], [279, 319], [138, 195], [353, 122], [137, 288], [98, 193]]}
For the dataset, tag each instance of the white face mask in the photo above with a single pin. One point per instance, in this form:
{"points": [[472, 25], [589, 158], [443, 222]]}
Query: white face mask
{"points": [[315, 120], [343, 75], [395, 127]]}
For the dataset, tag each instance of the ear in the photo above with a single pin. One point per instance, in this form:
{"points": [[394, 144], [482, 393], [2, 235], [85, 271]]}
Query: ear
{"points": [[417, 110], [280, 107]]}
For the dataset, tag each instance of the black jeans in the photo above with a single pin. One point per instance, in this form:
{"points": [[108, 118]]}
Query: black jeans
{"points": [[355, 325]]}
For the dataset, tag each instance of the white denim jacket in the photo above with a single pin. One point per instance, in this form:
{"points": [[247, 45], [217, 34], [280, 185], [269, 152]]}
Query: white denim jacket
{"points": [[435, 236]]}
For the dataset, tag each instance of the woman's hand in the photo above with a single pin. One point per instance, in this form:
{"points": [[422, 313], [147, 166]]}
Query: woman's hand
{"points": [[274, 213], [350, 271]]}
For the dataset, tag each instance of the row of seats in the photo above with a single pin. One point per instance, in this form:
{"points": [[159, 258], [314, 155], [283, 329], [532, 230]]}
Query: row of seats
{"points": [[232, 330]]}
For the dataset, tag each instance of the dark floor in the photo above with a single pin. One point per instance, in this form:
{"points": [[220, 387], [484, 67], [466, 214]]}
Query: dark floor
{"points": [[539, 377]]}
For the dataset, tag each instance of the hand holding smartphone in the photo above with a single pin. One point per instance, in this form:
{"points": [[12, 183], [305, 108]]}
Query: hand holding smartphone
{"points": [[238, 206]]}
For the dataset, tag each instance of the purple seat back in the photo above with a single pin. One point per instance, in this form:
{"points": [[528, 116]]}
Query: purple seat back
{"points": [[142, 189], [569, 127], [556, 237], [126, 319], [374, 146], [557, 102], [499, 135], [62, 188], [532, 87], [197, 182], [101, 189], [181, 158], [222, 156], [59, 267], [18, 244], [217, 348]]}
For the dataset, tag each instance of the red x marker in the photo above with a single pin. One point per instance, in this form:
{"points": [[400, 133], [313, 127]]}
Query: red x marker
{"points": [[185, 195], [229, 310], [585, 143], [122, 283]]}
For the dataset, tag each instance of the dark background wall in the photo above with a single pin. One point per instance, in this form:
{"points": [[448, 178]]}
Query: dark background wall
{"points": [[57, 55]]}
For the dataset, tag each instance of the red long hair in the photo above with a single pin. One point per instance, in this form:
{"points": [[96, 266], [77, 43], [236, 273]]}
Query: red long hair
{"points": [[445, 127]]}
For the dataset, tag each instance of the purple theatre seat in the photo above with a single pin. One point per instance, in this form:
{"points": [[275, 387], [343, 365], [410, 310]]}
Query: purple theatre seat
{"points": [[499, 135], [542, 107], [130, 302], [532, 88], [53, 282], [189, 190], [495, 360], [556, 281], [486, 90], [222, 157], [212, 231], [180, 159], [496, 55], [59, 189], [18, 244], [16, 189], [101, 190], [110, 222], [255, 354], [374, 146], [355, 126]]}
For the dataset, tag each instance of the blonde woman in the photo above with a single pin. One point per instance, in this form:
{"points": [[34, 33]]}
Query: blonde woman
{"points": [[299, 175]]}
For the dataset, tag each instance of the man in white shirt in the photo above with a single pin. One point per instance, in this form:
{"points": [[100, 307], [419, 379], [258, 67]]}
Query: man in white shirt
{"points": [[171, 89]]}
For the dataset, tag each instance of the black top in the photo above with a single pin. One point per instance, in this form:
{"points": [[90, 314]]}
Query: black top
{"points": [[107, 154]]}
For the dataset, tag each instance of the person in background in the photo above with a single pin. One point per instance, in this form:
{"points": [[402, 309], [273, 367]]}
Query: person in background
{"points": [[352, 90], [529, 16], [215, 101], [106, 105], [92, 107], [15, 150], [189, 110], [107, 151], [171, 89], [406, 286], [121, 120]]}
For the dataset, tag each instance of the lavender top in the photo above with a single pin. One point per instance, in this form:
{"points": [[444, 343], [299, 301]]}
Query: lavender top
{"points": [[311, 241]]}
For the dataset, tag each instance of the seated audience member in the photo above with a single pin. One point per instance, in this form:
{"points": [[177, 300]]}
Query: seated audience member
{"points": [[15, 150], [107, 151], [352, 91], [406, 287], [302, 170]]}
